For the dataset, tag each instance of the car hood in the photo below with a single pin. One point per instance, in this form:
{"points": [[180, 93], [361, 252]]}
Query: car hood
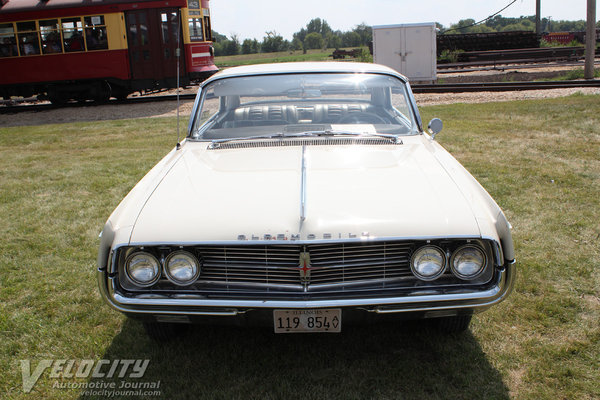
{"points": [[350, 191]]}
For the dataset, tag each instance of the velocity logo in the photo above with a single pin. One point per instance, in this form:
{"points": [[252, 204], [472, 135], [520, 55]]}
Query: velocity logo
{"points": [[81, 369]]}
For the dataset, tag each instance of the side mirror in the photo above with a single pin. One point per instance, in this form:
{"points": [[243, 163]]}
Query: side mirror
{"points": [[435, 126]]}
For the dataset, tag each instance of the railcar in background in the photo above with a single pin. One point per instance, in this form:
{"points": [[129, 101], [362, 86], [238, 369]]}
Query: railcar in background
{"points": [[97, 49]]}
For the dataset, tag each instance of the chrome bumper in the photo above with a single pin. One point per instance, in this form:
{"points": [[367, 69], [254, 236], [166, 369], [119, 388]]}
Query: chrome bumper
{"points": [[463, 300]]}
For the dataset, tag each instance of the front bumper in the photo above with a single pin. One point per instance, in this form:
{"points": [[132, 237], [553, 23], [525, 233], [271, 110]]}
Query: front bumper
{"points": [[430, 303]]}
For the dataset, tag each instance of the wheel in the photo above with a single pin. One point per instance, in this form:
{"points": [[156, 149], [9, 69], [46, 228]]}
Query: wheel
{"points": [[457, 324], [100, 92], [119, 94], [164, 331], [362, 118], [57, 100]]}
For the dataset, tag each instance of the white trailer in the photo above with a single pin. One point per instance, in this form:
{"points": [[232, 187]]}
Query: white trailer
{"points": [[409, 49]]}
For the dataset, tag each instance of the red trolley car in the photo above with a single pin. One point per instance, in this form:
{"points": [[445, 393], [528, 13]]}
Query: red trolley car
{"points": [[97, 49]]}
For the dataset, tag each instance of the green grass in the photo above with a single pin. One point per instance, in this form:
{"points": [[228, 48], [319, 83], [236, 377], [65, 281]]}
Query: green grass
{"points": [[539, 160], [283, 56], [573, 75]]}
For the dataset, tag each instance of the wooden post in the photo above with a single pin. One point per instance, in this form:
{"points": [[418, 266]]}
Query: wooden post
{"points": [[590, 40], [538, 17]]}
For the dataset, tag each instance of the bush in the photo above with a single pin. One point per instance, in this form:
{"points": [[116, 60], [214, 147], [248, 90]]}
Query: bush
{"points": [[313, 40], [365, 55], [449, 56]]}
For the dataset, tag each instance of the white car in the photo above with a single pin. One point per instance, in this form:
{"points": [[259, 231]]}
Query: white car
{"points": [[306, 196]]}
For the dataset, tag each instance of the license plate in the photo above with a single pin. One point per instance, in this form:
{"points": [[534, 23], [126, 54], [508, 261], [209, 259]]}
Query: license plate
{"points": [[308, 321]]}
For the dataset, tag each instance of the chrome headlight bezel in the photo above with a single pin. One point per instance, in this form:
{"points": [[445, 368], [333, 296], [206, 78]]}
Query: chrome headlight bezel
{"points": [[459, 252], [168, 273], [130, 275], [418, 253]]}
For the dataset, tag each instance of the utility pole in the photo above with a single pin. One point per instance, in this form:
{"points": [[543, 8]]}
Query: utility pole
{"points": [[538, 17], [590, 40]]}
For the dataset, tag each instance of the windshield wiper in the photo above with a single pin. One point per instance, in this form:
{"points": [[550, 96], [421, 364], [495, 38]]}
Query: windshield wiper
{"points": [[280, 135], [327, 132], [334, 132]]}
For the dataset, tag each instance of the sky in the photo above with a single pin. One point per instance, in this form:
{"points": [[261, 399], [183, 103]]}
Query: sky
{"points": [[252, 18]]}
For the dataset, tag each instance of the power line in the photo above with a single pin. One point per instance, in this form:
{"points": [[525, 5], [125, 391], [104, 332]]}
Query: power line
{"points": [[483, 20]]}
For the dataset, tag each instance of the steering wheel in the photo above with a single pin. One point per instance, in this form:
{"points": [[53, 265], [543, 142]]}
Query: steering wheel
{"points": [[362, 117]]}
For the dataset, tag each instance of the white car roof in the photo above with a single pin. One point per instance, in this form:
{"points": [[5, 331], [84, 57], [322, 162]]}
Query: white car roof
{"points": [[305, 67]]}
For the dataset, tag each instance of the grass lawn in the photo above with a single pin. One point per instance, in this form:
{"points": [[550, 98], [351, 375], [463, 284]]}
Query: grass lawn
{"points": [[539, 159], [282, 56]]}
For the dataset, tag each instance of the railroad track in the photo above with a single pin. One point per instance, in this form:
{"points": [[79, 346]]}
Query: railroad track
{"points": [[417, 88], [10, 108], [515, 56], [502, 86]]}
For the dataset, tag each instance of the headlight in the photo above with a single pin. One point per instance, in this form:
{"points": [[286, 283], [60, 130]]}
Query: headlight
{"points": [[142, 268], [468, 262], [428, 263], [182, 268]]}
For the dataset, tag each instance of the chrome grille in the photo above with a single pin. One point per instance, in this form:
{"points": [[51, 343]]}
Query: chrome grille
{"points": [[277, 267], [250, 264], [359, 262]]}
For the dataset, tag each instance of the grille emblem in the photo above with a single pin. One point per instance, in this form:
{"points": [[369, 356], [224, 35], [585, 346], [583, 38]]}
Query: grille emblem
{"points": [[304, 267]]}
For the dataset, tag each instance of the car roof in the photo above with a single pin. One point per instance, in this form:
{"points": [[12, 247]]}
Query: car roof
{"points": [[305, 67]]}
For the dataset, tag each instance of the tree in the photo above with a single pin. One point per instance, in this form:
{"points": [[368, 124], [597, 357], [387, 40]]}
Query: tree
{"points": [[333, 41], [351, 39], [365, 32], [273, 42], [313, 40], [300, 35], [247, 46], [217, 37], [255, 46], [296, 44], [517, 27], [231, 47], [319, 26]]}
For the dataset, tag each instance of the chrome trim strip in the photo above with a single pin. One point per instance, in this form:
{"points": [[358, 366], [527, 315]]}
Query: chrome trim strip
{"points": [[426, 302], [303, 187], [305, 241]]}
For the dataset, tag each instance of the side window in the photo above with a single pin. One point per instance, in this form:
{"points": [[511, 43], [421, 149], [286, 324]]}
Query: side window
{"points": [[50, 35], [8, 41], [95, 33], [29, 43], [207, 29], [196, 33], [72, 34], [210, 107]]}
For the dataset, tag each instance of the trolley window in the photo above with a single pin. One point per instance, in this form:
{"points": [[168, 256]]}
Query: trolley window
{"points": [[50, 34], [95, 33], [8, 41], [169, 33], [72, 34], [29, 43], [207, 31], [196, 33]]}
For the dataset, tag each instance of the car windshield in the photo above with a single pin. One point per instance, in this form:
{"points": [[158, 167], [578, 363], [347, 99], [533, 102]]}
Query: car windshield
{"points": [[303, 104]]}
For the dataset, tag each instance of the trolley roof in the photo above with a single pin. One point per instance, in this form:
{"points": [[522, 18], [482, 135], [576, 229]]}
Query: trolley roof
{"points": [[33, 8]]}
